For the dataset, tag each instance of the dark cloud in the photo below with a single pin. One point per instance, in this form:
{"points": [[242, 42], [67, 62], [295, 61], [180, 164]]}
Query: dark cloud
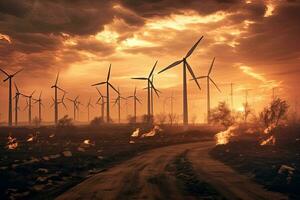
{"points": [[95, 46], [150, 8], [275, 38]]}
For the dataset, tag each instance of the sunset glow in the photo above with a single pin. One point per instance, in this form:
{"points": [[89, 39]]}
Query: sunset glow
{"points": [[249, 53]]}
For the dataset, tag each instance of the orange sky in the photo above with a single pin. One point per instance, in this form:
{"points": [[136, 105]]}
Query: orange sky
{"points": [[256, 45]]}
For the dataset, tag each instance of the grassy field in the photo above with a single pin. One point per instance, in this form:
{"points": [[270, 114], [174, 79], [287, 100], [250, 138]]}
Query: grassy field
{"points": [[57, 159], [277, 166]]}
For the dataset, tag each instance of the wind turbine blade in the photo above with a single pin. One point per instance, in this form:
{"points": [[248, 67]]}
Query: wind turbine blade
{"points": [[32, 93], [113, 88], [16, 87], [61, 89], [53, 99], [138, 100], [130, 96], [4, 72], [98, 100], [63, 103], [192, 73], [155, 90], [99, 92], [108, 75], [7, 78], [56, 81], [193, 48], [211, 66], [140, 78], [17, 72], [101, 83], [134, 93], [199, 77], [215, 84], [40, 94], [152, 69], [170, 66]]}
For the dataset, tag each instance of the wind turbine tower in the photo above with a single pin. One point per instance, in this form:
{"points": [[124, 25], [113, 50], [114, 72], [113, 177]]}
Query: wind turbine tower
{"points": [[186, 66], [9, 78]]}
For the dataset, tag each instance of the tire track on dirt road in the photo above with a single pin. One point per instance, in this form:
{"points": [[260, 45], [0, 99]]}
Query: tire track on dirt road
{"points": [[148, 176]]}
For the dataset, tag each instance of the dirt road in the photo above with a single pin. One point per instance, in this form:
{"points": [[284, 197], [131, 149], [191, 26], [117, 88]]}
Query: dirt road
{"points": [[157, 175]]}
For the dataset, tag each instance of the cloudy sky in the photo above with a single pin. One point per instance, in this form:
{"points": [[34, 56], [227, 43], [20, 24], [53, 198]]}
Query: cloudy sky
{"points": [[256, 45]]}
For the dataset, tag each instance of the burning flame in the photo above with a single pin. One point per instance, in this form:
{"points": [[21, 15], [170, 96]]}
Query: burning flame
{"points": [[87, 141], [269, 128], [269, 141], [136, 133], [12, 143], [51, 136], [30, 139], [153, 132], [223, 137]]}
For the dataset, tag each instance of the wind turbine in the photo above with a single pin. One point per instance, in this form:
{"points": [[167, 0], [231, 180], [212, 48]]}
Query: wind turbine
{"points": [[74, 101], [59, 102], [88, 108], [118, 101], [16, 97], [78, 103], [56, 88], [149, 89], [208, 80], [102, 103], [108, 84], [135, 99], [9, 78], [185, 66], [39, 101], [29, 105]]}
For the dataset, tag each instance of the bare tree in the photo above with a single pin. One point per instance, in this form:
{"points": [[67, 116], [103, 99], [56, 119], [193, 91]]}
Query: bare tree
{"points": [[222, 115], [161, 118], [276, 111]]}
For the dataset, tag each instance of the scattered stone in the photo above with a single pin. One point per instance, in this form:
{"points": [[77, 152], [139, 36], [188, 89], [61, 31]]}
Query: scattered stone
{"points": [[43, 170], [67, 153]]}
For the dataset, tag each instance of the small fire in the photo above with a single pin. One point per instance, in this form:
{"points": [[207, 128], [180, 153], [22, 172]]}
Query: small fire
{"points": [[51, 136], [153, 132], [270, 141], [87, 141], [30, 139], [269, 128], [223, 137], [136, 133], [12, 143]]}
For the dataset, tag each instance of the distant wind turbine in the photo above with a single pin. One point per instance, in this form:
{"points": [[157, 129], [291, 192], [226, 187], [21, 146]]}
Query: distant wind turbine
{"points": [[16, 97], [88, 108], [9, 78], [61, 101], [40, 104], [29, 106], [108, 84], [102, 103], [78, 104], [74, 101], [149, 86], [185, 66], [118, 101], [56, 88], [208, 80], [135, 99]]}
